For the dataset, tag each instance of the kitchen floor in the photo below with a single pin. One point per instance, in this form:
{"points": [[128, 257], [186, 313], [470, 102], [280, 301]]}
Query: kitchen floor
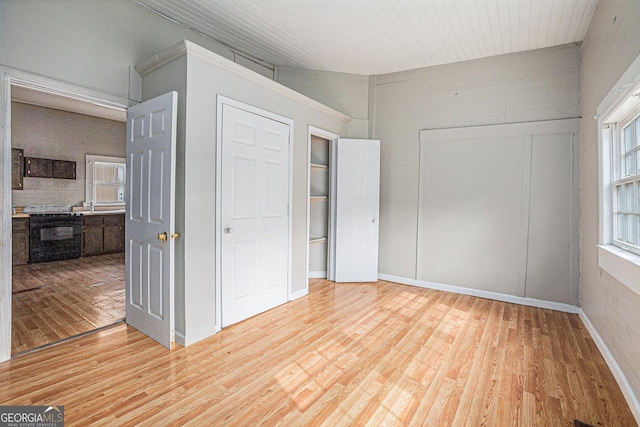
{"points": [[52, 301]]}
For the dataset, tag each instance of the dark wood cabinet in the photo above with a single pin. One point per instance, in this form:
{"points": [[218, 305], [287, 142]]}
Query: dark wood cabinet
{"points": [[63, 169], [102, 234], [20, 241], [113, 233], [35, 167], [17, 168]]}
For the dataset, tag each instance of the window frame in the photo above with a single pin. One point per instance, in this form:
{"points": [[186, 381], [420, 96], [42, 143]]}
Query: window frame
{"points": [[618, 104], [90, 161], [631, 116]]}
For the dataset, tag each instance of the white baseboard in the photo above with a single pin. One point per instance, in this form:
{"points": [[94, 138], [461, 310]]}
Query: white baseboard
{"points": [[299, 294], [317, 275], [621, 379], [186, 340], [551, 305]]}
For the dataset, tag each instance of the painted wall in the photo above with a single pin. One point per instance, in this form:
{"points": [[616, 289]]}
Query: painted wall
{"points": [[196, 175], [522, 87], [90, 43], [54, 134], [347, 93], [611, 45]]}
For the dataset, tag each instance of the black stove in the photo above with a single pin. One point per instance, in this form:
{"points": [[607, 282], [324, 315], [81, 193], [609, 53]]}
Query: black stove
{"points": [[54, 236]]}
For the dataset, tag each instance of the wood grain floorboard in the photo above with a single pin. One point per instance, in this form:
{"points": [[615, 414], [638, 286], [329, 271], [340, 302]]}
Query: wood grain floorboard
{"points": [[52, 301], [346, 354]]}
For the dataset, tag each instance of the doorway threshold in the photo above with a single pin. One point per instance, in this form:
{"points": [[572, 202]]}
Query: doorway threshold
{"points": [[73, 337]]}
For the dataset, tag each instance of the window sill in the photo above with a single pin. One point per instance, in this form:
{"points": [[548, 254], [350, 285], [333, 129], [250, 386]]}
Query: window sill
{"points": [[623, 265]]}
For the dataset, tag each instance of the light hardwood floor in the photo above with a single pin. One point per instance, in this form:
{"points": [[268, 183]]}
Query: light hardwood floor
{"points": [[52, 301], [347, 354]]}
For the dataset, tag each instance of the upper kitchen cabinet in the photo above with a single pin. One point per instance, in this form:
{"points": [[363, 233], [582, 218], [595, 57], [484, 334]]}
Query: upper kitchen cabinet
{"points": [[35, 167], [17, 168], [63, 169]]}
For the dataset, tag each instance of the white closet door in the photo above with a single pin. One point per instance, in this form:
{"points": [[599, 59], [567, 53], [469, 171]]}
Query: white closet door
{"points": [[255, 218], [356, 200]]}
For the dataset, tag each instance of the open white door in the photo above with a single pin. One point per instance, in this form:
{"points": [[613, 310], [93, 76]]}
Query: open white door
{"points": [[255, 219], [150, 205], [355, 202]]}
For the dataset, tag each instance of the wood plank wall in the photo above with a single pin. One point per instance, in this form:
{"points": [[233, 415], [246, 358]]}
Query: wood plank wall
{"points": [[531, 86]]}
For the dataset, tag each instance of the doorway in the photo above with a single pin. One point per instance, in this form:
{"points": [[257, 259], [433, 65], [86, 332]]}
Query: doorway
{"points": [[57, 300], [254, 220]]}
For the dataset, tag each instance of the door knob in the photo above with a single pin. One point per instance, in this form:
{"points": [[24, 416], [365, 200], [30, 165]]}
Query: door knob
{"points": [[163, 237], [228, 230]]}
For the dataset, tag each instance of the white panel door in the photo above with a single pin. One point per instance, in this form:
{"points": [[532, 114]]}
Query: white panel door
{"points": [[255, 222], [150, 203], [356, 202]]}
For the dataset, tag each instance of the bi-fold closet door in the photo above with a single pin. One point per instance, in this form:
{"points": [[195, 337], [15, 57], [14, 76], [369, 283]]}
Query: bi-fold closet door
{"points": [[354, 210]]}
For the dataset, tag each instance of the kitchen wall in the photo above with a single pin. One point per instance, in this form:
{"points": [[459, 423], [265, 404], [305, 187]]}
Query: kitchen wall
{"points": [[611, 45], [54, 134]]}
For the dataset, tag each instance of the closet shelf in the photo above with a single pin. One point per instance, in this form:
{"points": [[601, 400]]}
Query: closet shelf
{"points": [[318, 197]]}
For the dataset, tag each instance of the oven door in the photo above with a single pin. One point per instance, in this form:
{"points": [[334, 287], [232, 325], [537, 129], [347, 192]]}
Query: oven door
{"points": [[54, 239]]}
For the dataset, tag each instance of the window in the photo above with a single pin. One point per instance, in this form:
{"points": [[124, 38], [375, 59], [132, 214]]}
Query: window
{"points": [[618, 118], [105, 180], [626, 181]]}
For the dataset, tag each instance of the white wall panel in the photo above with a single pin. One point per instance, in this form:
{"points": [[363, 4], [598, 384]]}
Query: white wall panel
{"points": [[524, 87], [498, 208]]}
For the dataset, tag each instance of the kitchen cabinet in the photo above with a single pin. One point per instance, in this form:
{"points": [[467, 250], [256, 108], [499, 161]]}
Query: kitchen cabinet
{"points": [[35, 167], [20, 241], [17, 168], [113, 233], [63, 169], [102, 234]]}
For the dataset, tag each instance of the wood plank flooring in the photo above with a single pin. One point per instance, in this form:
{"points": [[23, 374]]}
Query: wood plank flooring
{"points": [[56, 300], [347, 354]]}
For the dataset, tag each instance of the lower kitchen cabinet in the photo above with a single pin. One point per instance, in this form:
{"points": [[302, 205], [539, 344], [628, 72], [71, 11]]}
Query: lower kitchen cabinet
{"points": [[20, 241], [102, 234], [113, 233]]}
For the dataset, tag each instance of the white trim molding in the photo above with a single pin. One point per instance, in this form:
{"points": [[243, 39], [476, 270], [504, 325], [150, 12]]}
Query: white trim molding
{"points": [[317, 275], [185, 340], [532, 302], [621, 379], [186, 47], [623, 265]]}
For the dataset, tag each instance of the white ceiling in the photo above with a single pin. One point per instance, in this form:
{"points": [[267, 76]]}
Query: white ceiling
{"points": [[380, 36]]}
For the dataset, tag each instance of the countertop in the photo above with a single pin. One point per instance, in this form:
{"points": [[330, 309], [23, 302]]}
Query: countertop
{"points": [[97, 212]]}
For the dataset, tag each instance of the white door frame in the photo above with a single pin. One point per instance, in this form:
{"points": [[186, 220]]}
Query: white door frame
{"points": [[223, 100], [332, 138], [9, 77]]}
